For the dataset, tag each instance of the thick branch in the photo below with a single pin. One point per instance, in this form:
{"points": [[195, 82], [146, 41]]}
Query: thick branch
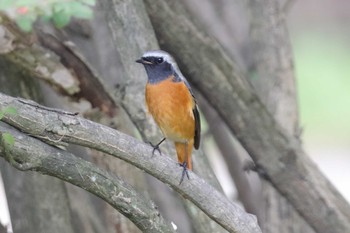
{"points": [[32, 154], [280, 155], [43, 123]]}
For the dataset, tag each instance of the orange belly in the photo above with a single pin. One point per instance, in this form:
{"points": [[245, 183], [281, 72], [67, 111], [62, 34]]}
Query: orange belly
{"points": [[171, 105]]}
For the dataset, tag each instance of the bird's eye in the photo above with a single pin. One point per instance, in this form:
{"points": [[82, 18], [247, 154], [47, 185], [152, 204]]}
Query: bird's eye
{"points": [[159, 60]]}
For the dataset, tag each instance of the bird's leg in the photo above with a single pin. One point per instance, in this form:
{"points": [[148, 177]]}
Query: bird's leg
{"points": [[184, 171], [156, 147], [184, 165]]}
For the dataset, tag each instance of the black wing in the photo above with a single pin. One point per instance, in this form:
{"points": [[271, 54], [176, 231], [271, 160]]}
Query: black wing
{"points": [[197, 119], [197, 127]]}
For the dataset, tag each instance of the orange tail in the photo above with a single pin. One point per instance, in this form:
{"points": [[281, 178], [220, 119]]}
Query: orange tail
{"points": [[182, 154]]}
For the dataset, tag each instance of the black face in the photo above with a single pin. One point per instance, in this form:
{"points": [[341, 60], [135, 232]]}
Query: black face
{"points": [[157, 68]]}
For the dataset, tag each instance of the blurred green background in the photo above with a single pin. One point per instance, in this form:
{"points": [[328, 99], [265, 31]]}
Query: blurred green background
{"points": [[320, 36], [323, 75]]}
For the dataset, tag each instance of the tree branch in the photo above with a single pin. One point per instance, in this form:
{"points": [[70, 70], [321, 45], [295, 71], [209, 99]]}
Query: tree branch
{"points": [[280, 155], [43, 123], [32, 154]]}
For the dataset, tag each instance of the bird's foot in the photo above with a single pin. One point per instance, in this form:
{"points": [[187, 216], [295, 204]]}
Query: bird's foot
{"points": [[156, 147], [184, 171]]}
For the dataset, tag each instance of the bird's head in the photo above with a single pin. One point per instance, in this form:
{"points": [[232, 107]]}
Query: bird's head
{"points": [[159, 66]]}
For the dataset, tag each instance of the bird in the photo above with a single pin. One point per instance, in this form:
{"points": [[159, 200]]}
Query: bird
{"points": [[170, 100]]}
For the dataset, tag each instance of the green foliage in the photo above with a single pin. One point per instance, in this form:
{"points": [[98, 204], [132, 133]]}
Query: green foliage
{"points": [[26, 12], [61, 14], [8, 139], [25, 22]]}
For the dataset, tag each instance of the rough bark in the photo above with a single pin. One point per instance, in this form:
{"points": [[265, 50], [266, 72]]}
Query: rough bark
{"points": [[274, 82], [57, 126], [276, 152]]}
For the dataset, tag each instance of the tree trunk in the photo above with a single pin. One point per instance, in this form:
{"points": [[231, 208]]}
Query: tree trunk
{"points": [[275, 85]]}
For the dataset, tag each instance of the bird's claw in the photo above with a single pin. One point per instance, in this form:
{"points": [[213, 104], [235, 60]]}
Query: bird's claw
{"points": [[155, 148], [184, 172]]}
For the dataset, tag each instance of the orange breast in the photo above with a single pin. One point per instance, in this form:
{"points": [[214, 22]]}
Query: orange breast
{"points": [[171, 104]]}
